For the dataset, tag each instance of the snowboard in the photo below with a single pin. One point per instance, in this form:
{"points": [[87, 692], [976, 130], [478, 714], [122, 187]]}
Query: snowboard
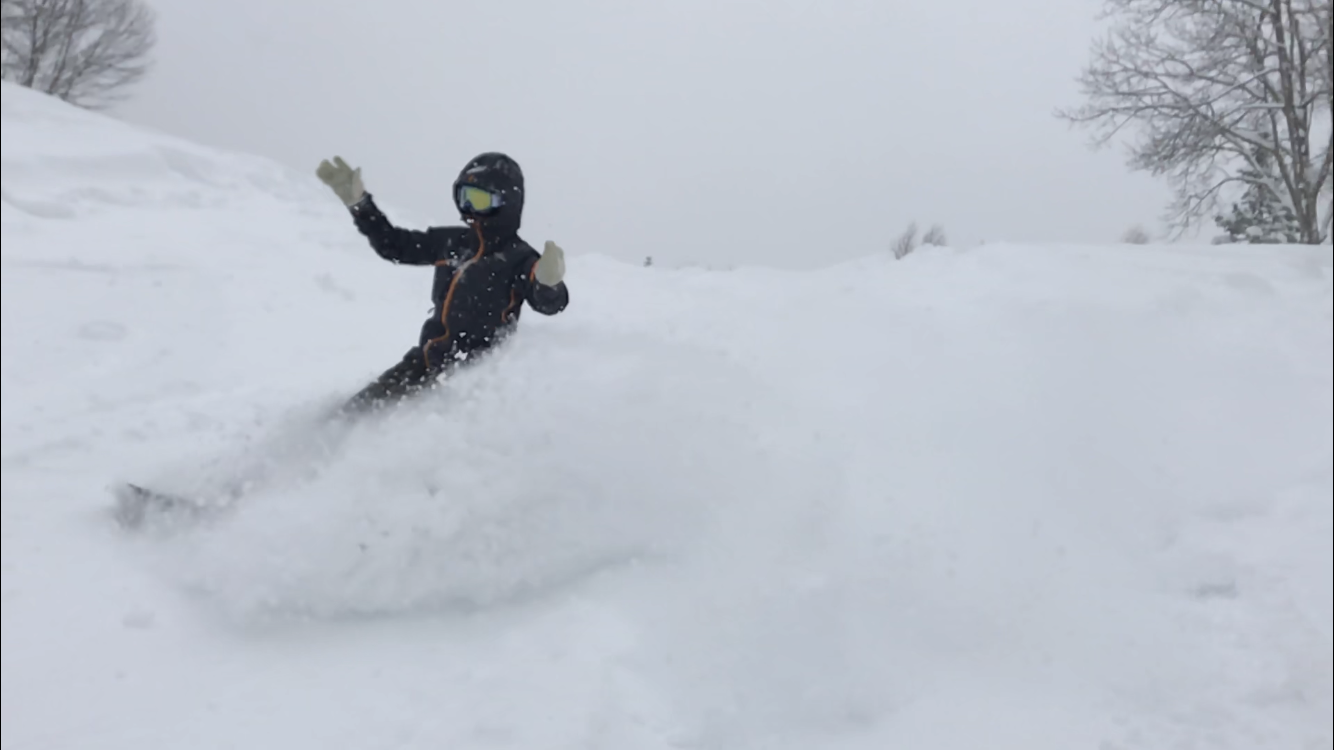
{"points": [[137, 507]]}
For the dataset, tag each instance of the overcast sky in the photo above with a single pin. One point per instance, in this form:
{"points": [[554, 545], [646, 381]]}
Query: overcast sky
{"points": [[779, 132]]}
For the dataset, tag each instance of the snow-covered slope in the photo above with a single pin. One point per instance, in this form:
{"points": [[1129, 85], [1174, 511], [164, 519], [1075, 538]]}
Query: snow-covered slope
{"points": [[1008, 497]]}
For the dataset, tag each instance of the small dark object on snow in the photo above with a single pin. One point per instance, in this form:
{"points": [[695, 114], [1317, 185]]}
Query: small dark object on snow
{"points": [[137, 505]]}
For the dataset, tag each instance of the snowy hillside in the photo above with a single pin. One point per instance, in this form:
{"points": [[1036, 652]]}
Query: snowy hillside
{"points": [[1041, 498]]}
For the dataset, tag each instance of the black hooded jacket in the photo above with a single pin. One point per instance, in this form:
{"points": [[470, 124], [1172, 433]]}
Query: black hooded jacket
{"points": [[483, 271]]}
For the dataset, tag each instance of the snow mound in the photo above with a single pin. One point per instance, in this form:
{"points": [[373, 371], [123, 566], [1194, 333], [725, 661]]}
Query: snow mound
{"points": [[64, 163]]}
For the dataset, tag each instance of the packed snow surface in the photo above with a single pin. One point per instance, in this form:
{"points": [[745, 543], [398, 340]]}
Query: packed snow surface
{"points": [[1041, 498]]}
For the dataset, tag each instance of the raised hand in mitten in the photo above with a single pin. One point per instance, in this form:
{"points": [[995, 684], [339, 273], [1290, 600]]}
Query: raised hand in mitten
{"points": [[550, 268], [342, 179]]}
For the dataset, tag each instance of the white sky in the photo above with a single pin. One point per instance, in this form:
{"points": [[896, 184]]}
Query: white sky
{"points": [[777, 132]]}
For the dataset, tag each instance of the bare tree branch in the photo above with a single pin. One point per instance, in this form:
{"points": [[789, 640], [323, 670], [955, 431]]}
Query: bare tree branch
{"points": [[87, 52], [935, 236], [1219, 93], [906, 242]]}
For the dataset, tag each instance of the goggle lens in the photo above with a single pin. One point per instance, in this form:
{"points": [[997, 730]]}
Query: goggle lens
{"points": [[476, 199]]}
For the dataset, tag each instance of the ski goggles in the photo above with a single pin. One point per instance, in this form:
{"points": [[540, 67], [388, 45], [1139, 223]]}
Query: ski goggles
{"points": [[478, 200]]}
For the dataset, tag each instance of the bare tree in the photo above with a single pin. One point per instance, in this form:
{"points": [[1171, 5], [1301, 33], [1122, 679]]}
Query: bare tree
{"points": [[906, 243], [1226, 95], [10, 14], [86, 52], [935, 236], [1135, 235]]}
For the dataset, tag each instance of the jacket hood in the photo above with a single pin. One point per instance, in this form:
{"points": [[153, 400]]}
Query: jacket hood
{"points": [[499, 174]]}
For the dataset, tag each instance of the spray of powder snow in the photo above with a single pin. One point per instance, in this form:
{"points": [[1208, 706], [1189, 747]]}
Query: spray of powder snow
{"points": [[536, 468]]}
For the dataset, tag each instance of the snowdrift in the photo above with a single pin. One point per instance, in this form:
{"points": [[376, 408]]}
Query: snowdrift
{"points": [[1006, 496]]}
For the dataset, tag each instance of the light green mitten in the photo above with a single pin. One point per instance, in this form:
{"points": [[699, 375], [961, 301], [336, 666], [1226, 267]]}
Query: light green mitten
{"points": [[550, 268], [344, 180]]}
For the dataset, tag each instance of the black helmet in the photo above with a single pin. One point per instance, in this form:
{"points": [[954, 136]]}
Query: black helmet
{"points": [[501, 178]]}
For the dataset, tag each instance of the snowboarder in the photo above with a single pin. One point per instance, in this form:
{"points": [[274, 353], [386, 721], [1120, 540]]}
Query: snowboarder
{"points": [[484, 271]]}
